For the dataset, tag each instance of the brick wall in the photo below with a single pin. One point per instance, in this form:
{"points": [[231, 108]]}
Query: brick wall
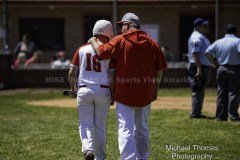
{"points": [[167, 16]]}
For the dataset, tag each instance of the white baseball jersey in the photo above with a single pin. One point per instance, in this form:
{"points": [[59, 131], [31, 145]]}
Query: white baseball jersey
{"points": [[91, 69], [58, 64]]}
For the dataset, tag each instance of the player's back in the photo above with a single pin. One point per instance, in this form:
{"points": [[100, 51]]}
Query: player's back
{"points": [[91, 69]]}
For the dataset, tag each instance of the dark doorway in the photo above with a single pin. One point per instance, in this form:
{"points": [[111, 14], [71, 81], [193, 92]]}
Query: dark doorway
{"points": [[47, 33], [186, 29], [89, 21]]}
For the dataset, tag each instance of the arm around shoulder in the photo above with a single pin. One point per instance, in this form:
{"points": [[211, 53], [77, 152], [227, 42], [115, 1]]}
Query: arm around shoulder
{"points": [[107, 50]]}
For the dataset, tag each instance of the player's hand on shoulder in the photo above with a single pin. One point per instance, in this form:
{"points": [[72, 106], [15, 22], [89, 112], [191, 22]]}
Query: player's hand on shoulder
{"points": [[92, 39]]}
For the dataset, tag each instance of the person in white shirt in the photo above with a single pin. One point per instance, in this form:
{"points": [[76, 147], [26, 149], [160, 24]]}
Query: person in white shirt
{"points": [[61, 62]]}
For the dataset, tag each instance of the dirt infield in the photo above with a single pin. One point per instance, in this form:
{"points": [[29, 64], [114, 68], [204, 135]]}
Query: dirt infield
{"points": [[171, 103]]}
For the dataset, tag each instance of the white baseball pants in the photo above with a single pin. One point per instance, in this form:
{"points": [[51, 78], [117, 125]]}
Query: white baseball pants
{"points": [[133, 132], [93, 105]]}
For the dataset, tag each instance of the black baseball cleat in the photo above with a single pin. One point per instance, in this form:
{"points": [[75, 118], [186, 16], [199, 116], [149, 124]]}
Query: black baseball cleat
{"points": [[88, 155], [234, 119], [198, 116], [221, 119]]}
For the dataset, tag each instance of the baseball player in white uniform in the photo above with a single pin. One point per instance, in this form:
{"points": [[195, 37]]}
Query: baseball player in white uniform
{"points": [[93, 93]]}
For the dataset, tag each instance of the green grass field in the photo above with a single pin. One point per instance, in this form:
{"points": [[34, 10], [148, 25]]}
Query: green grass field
{"points": [[30, 132]]}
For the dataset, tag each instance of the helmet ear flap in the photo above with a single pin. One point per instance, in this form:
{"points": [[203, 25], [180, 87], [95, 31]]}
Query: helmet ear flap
{"points": [[103, 27]]}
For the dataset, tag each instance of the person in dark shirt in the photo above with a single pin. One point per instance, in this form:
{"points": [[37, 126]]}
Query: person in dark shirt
{"points": [[24, 50]]}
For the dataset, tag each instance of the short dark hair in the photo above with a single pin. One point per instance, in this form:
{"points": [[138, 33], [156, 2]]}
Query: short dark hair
{"points": [[231, 29]]}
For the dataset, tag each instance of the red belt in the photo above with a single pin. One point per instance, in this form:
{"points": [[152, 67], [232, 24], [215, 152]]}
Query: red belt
{"points": [[102, 86]]}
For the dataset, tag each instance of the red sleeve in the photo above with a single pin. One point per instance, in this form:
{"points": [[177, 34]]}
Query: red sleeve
{"points": [[75, 60], [112, 63], [110, 49], [160, 62]]}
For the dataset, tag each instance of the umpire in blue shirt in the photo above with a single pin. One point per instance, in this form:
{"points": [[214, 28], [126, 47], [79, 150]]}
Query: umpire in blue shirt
{"points": [[200, 67], [225, 54]]}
